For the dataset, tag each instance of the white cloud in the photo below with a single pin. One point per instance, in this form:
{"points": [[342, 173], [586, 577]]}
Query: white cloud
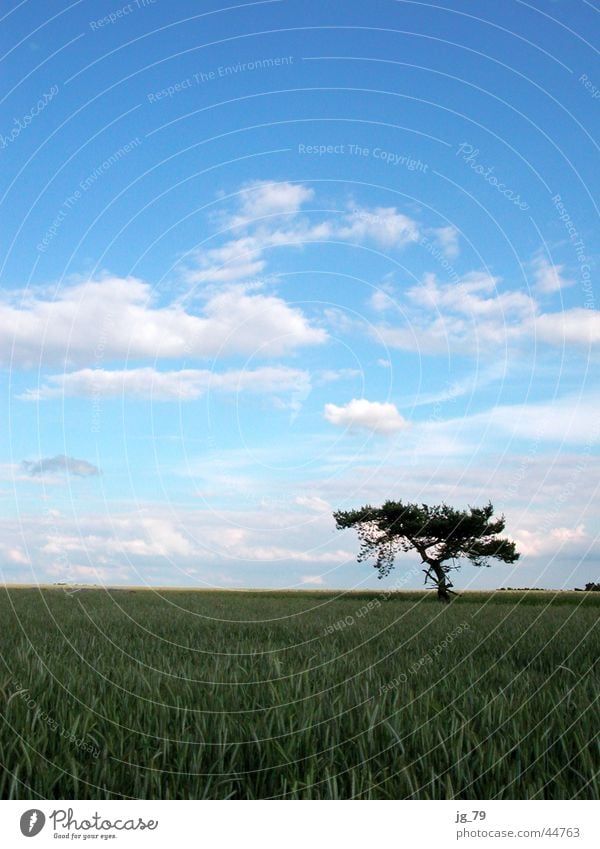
{"points": [[282, 553], [316, 580], [325, 376], [469, 385], [242, 257], [471, 316], [342, 322], [381, 300], [161, 545], [447, 239], [79, 573], [314, 503], [259, 323], [367, 415], [13, 555], [535, 543], [571, 419], [132, 536], [474, 316], [548, 277], [476, 296], [382, 224], [119, 318], [578, 326], [238, 259], [183, 385], [136, 543], [263, 197]]}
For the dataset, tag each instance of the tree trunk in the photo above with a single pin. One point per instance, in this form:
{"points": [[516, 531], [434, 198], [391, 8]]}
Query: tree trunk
{"points": [[441, 581]]}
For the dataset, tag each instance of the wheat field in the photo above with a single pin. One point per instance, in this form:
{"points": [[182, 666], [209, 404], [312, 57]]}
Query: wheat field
{"points": [[176, 694]]}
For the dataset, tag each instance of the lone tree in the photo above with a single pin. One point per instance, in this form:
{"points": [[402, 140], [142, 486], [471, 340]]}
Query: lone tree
{"points": [[439, 534]]}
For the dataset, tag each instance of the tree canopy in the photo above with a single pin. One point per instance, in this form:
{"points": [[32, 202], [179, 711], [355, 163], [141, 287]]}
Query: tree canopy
{"points": [[439, 534]]}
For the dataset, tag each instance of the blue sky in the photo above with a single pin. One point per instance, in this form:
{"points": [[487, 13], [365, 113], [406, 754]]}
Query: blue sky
{"points": [[267, 261]]}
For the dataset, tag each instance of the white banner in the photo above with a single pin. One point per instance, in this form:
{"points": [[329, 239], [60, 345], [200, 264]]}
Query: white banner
{"points": [[298, 825]]}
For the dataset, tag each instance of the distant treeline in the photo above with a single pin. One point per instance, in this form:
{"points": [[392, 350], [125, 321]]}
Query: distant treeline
{"points": [[590, 587]]}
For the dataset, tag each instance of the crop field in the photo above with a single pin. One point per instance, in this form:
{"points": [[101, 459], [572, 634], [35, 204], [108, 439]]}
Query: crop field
{"points": [[298, 695]]}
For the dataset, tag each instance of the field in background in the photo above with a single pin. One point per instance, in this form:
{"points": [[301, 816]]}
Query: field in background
{"points": [[272, 694]]}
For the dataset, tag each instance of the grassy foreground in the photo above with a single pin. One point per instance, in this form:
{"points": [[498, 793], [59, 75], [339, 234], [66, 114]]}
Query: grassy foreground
{"points": [[253, 695]]}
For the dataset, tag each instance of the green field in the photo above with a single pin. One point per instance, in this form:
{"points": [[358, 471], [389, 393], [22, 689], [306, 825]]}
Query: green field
{"points": [[301, 695]]}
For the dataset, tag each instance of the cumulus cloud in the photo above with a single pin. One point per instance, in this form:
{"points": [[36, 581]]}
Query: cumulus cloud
{"points": [[476, 315], [476, 296], [264, 197], [183, 385], [359, 413], [136, 545], [283, 553], [242, 257], [119, 318], [535, 543], [380, 301], [238, 259], [447, 239], [133, 536], [60, 464], [466, 316], [548, 277], [579, 327], [383, 224], [163, 545], [13, 555]]}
